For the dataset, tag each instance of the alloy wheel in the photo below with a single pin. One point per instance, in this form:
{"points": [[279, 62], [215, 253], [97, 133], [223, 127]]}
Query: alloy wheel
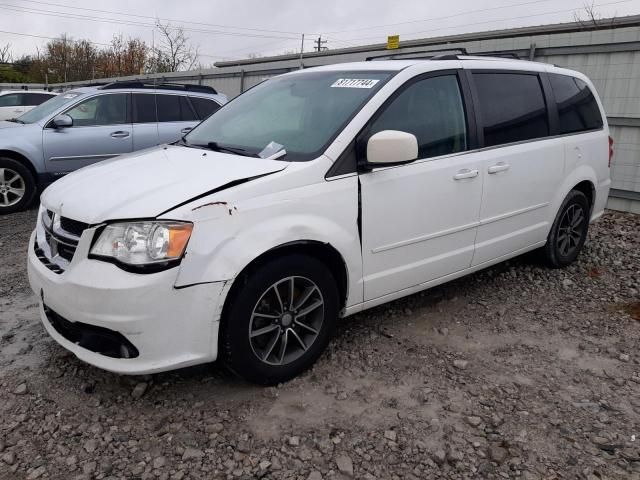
{"points": [[286, 320], [571, 230], [12, 187]]}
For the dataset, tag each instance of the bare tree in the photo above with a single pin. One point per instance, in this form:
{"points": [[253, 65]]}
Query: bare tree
{"points": [[589, 16], [5, 53], [174, 51]]}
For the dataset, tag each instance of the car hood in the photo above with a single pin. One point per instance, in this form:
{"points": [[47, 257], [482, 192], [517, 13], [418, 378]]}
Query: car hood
{"points": [[5, 124], [150, 182]]}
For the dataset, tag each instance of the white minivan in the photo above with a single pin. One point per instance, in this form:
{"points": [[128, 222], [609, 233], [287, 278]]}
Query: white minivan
{"points": [[313, 196]]}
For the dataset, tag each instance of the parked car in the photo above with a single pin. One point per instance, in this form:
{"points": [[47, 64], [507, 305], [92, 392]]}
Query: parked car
{"points": [[14, 103], [90, 124], [313, 196]]}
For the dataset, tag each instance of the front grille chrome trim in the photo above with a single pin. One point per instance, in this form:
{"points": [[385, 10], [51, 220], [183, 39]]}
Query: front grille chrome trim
{"points": [[55, 247]]}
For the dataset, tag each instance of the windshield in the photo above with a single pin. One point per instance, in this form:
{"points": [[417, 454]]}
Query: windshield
{"points": [[300, 113], [47, 108]]}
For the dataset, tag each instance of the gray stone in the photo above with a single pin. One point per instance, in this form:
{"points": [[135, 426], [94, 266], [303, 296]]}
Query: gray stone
{"points": [[9, 458], [139, 390], [21, 389], [192, 453], [474, 421], [37, 473], [461, 364], [345, 464], [91, 445], [497, 454]]}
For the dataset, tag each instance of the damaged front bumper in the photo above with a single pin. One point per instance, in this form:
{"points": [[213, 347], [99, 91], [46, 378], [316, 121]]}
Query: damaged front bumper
{"points": [[125, 322]]}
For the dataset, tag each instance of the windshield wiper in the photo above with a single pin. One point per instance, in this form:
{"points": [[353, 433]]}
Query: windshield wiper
{"points": [[15, 120], [216, 147]]}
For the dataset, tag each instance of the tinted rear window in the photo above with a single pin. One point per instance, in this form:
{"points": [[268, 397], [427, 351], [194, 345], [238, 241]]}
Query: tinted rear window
{"points": [[144, 108], [512, 107], [577, 107], [33, 99], [204, 107], [174, 108]]}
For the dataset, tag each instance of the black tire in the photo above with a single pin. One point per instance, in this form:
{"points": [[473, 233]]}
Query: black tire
{"points": [[255, 295], [567, 235], [9, 201]]}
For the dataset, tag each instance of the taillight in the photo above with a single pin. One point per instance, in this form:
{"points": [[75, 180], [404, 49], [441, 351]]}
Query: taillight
{"points": [[610, 151]]}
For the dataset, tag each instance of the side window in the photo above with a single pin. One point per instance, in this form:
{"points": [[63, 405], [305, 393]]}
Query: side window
{"points": [[10, 100], [512, 107], [144, 108], [174, 108], [433, 111], [34, 99], [110, 109], [577, 107], [204, 107]]}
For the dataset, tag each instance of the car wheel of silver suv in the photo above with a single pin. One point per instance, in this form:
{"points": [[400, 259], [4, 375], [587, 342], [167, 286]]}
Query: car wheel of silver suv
{"points": [[17, 186]]}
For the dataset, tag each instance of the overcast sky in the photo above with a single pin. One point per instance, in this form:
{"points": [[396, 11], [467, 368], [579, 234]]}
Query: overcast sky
{"points": [[234, 29]]}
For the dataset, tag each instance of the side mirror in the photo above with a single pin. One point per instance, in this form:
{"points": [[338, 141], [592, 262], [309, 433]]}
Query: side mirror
{"points": [[62, 121], [391, 147]]}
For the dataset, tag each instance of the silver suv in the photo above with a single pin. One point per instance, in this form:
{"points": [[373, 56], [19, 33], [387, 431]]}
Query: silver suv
{"points": [[86, 125]]}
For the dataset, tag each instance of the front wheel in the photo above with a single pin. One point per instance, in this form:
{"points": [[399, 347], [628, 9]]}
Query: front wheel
{"points": [[279, 320], [569, 231], [17, 186]]}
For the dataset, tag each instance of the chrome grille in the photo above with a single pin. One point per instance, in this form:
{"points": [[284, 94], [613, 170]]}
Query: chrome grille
{"points": [[61, 235]]}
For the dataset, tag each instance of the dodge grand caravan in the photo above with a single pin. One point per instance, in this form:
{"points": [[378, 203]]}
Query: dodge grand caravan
{"points": [[313, 196]]}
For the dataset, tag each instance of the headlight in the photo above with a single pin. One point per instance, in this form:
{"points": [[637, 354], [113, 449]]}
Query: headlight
{"points": [[140, 244]]}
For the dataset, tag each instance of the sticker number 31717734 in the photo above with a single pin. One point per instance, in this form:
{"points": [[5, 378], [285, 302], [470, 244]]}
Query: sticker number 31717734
{"points": [[354, 83]]}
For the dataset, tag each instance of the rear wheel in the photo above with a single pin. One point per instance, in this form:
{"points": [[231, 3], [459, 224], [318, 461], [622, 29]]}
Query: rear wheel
{"points": [[17, 186], [280, 319], [569, 231]]}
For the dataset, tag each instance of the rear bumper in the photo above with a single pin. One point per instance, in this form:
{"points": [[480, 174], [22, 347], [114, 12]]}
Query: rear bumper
{"points": [[93, 305]]}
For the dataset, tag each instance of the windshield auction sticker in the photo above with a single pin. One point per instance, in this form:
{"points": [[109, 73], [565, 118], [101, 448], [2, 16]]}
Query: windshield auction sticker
{"points": [[354, 83]]}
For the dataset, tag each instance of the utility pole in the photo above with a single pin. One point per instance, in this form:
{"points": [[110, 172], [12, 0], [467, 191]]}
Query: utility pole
{"points": [[302, 53], [320, 44]]}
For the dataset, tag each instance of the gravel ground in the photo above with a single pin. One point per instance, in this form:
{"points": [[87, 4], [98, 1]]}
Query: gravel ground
{"points": [[515, 372]]}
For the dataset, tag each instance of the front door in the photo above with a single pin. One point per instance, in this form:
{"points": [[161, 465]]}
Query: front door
{"points": [[419, 220], [100, 130]]}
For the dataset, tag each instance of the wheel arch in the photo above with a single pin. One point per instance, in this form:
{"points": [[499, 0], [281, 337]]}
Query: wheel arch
{"points": [[324, 252], [589, 189], [18, 157]]}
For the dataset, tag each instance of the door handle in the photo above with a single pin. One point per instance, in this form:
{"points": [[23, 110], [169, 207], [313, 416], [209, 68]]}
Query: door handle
{"points": [[499, 167], [120, 134], [186, 130], [466, 173], [19, 110]]}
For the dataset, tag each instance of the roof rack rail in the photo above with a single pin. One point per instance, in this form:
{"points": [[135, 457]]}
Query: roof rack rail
{"points": [[161, 85], [439, 54], [498, 55]]}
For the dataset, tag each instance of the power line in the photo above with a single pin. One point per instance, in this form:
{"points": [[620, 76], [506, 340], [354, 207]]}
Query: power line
{"points": [[76, 16], [164, 19], [44, 37], [52, 38], [491, 21], [468, 12]]}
